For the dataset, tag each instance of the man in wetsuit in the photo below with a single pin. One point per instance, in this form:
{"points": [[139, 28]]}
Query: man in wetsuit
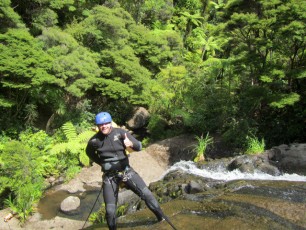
{"points": [[107, 148]]}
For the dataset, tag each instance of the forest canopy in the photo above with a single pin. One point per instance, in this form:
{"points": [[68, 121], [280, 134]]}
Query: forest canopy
{"points": [[231, 67]]}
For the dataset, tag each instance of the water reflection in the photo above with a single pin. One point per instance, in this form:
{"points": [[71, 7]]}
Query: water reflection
{"points": [[49, 205]]}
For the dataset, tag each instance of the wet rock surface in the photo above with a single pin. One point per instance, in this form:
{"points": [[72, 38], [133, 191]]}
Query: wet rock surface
{"points": [[234, 205]]}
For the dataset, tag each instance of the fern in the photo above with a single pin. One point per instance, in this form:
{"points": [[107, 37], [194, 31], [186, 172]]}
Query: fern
{"points": [[75, 145], [69, 131], [58, 148], [84, 158], [85, 136]]}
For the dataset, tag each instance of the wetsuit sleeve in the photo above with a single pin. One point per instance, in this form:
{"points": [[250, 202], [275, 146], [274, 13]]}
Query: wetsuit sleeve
{"points": [[91, 152], [136, 144]]}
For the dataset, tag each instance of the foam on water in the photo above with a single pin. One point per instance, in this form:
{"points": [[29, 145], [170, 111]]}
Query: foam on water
{"points": [[222, 174]]}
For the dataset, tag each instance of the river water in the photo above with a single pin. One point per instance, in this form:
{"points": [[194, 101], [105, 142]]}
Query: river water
{"points": [[221, 173]]}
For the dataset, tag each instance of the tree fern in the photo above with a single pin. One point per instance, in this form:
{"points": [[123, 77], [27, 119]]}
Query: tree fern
{"points": [[85, 136], [75, 145]]}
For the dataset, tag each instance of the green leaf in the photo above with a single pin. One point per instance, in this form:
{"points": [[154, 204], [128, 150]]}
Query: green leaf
{"points": [[69, 131]]}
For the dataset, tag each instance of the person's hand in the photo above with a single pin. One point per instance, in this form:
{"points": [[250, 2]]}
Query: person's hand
{"points": [[127, 142]]}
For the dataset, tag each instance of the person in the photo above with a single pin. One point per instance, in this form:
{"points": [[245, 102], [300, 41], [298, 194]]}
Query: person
{"points": [[107, 148]]}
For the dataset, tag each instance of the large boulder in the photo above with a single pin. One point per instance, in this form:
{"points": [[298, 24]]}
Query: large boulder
{"points": [[289, 158], [140, 119], [172, 150]]}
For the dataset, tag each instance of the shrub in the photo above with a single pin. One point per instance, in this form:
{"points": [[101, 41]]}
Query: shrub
{"points": [[25, 198], [21, 175]]}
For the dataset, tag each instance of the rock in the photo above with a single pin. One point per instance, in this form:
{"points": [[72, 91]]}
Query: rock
{"points": [[252, 163], [129, 199], [76, 187], [172, 150], [269, 169], [242, 163], [90, 177], [71, 205], [139, 119], [290, 158], [194, 187]]}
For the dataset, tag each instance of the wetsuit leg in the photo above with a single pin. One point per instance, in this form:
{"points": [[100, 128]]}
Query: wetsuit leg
{"points": [[110, 195], [138, 186]]}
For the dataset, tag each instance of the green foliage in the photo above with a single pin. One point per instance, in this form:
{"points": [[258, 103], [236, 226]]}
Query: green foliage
{"points": [[167, 93], [73, 150], [20, 173], [285, 100], [127, 77], [23, 66], [99, 216], [236, 133], [26, 197], [201, 147], [236, 67], [42, 142], [254, 145], [44, 18], [71, 172], [8, 17], [18, 163], [75, 65], [156, 127]]}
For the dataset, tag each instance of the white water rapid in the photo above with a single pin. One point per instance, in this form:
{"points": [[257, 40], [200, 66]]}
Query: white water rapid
{"points": [[222, 173]]}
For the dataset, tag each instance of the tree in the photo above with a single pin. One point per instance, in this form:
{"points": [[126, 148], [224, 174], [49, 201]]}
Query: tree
{"points": [[24, 69], [8, 17]]}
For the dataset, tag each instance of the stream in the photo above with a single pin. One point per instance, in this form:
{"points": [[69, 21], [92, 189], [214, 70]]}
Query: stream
{"points": [[230, 200], [219, 172]]}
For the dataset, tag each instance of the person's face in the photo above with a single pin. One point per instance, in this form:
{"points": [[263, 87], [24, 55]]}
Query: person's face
{"points": [[105, 128]]}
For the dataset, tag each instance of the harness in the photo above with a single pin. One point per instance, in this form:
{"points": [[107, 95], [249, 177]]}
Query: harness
{"points": [[123, 175]]}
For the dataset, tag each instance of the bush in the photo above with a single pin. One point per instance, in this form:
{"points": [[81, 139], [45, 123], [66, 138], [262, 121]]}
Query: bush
{"points": [[25, 197], [21, 175]]}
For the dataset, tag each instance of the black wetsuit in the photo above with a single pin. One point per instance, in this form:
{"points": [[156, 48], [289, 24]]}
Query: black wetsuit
{"points": [[109, 152]]}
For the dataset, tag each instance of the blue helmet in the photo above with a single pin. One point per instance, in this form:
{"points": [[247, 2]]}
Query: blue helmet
{"points": [[102, 118]]}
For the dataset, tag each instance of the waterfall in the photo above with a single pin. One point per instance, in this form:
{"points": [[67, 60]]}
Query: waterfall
{"points": [[221, 173]]}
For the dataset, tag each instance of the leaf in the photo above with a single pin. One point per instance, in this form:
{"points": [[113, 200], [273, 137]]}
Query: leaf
{"points": [[85, 136], [70, 131]]}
